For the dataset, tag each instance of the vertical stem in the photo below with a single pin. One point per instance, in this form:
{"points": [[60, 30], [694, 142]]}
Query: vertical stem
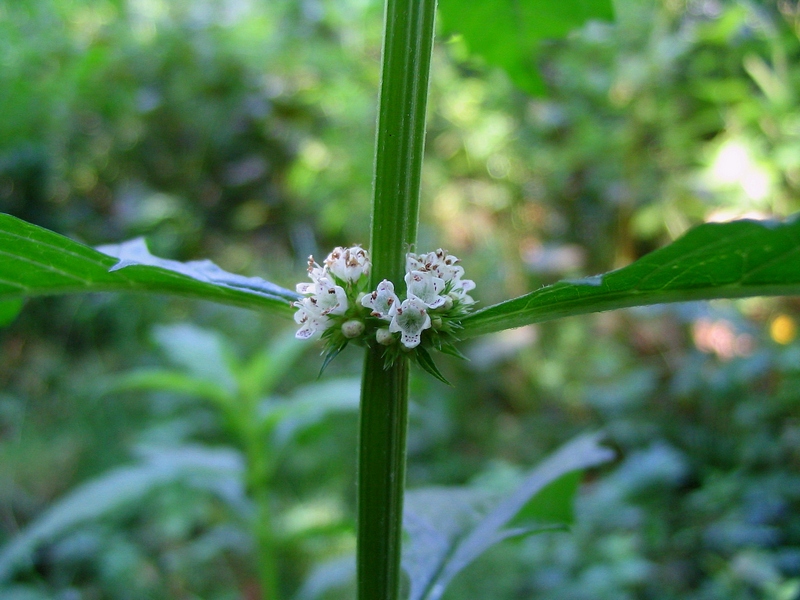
{"points": [[381, 477], [408, 40]]}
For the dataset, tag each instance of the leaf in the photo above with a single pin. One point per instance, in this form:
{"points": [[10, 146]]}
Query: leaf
{"points": [[117, 489], [162, 380], [203, 353], [308, 405], [448, 348], [262, 372], [425, 361], [330, 575], [35, 261], [9, 309], [715, 260], [548, 506], [507, 33], [450, 528], [329, 356]]}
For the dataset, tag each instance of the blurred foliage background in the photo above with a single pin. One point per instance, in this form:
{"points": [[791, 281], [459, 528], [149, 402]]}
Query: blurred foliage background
{"points": [[242, 131]]}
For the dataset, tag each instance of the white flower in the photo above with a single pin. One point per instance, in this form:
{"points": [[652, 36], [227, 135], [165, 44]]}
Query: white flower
{"points": [[410, 319], [426, 287], [348, 264], [309, 317], [459, 291], [329, 297], [444, 266], [415, 262], [382, 300]]}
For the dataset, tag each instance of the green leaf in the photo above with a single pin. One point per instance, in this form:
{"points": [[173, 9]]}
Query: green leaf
{"points": [[507, 33], [9, 309], [35, 261], [259, 376], [308, 405], [449, 528], [329, 356], [159, 380], [448, 348], [716, 260], [553, 504], [204, 354], [425, 361], [120, 488]]}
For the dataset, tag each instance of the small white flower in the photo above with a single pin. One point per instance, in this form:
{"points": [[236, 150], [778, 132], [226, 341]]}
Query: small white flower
{"points": [[415, 262], [425, 286], [309, 317], [459, 291], [382, 301], [410, 319], [329, 297], [306, 288], [348, 264], [444, 266]]}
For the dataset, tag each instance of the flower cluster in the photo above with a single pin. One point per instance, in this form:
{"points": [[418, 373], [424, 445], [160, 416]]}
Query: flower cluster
{"points": [[331, 289], [338, 307]]}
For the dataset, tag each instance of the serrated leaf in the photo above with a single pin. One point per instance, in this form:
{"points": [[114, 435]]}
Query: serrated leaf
{"points": [[715, 260], [450, 528], [115, 490], [507, 33], [425, 361], [35, 261]]}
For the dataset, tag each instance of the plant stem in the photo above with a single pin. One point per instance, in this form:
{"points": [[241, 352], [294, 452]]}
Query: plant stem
{"points": [[408, 40], [382, 466]]}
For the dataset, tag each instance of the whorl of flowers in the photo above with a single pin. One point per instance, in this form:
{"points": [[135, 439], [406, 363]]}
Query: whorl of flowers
{"points": [[339, 307]]}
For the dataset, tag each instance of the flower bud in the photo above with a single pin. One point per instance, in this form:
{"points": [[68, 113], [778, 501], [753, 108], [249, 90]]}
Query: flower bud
{"points": [[436, 322], [384, 336], [352, 328]]}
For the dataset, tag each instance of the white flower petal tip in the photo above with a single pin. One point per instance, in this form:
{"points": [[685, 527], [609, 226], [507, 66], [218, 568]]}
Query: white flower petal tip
{"points": [[382, 301], [410, 319]]}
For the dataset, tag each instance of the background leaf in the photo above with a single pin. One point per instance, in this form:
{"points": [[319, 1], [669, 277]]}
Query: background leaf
{"points": [[715, 260], [35, 261], [9, 309], [117, 489], [450, 528], [507, 33]]}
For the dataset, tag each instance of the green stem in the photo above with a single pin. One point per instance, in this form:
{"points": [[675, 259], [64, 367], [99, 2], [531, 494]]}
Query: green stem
{"points": [[408, 40], [382, 467], [244, 422], [267, 565]]}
